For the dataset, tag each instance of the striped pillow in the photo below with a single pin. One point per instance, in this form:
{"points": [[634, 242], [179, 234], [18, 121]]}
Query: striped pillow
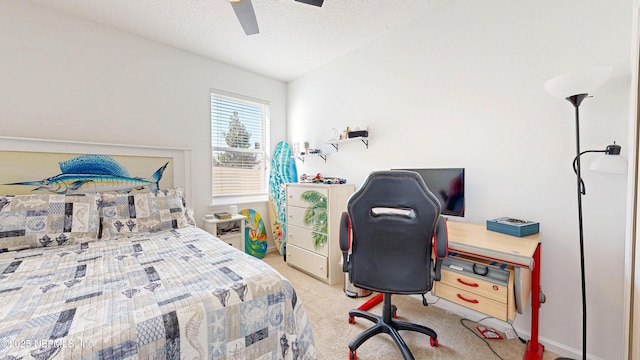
{"points": [[41, 220], [127, 214]]}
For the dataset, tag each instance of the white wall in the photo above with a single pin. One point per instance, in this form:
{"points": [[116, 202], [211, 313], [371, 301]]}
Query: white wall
{"points": [[463, 87], [66, 78]]}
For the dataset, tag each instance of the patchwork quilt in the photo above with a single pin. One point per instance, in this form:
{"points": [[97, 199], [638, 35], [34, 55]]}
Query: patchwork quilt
{"points": [[170, 294]]}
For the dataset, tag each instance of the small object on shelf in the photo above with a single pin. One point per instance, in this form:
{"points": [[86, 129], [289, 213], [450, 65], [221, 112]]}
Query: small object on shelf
{"points": [[304, 178], [336, 134], [358, 133], [222, 215], [232, 227], [515, 227], [334, 180], [319, 179]]}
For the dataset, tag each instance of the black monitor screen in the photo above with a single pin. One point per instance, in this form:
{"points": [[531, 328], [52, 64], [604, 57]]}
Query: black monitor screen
{"points": [[447, 184]]}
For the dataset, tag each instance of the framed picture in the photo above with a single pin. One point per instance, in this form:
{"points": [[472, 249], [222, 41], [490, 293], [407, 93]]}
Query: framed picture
{"points": [[38, 165]]}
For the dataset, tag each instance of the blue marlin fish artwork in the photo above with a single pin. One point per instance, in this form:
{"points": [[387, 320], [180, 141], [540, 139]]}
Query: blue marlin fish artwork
{"points": [[94, 173]]}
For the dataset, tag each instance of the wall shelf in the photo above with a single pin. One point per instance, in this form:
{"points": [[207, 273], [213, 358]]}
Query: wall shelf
{"points": [[302, 157], [336, 143]]}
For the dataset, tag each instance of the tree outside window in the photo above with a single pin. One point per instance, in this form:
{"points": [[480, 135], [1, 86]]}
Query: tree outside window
{"points": [[239, 140]]}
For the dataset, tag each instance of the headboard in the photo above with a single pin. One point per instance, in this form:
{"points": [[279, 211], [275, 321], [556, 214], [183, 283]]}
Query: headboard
{"points": [[30, 159]]}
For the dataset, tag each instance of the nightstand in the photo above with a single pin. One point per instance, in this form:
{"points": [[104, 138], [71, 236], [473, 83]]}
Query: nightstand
{"points": [[230, 230]]}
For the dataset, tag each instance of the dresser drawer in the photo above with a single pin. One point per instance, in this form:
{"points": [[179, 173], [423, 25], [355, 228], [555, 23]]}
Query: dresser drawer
{"points": [[307, 261], [492, 290], [307, 239], [471, 300], [294, 195], [295, 216]]}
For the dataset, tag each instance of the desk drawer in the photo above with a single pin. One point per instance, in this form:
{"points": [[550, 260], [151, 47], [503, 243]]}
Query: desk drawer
{"points": [[306, 239], [471, 300], [484, 288], [307, 261]]}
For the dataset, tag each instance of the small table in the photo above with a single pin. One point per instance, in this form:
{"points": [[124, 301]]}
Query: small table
{"points": [[229, 230]]}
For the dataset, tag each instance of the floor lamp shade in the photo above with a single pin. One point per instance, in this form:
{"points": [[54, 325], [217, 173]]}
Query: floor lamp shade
{"points": [[583, 81], [612, 164]]}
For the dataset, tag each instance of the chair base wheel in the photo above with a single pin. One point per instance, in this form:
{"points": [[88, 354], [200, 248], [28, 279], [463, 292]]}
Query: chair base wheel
{"points": [[386, 323], [352, 355]]}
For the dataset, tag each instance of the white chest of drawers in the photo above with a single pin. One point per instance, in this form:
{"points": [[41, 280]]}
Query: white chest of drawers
{"points": [[313, 221]]}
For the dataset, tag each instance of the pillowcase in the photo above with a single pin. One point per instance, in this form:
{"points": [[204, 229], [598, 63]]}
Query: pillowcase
{"points": [[41, 220], [127, 214]]}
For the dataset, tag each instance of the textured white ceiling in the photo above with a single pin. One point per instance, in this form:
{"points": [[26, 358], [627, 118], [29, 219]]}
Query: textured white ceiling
{"points": [[294, 38]]}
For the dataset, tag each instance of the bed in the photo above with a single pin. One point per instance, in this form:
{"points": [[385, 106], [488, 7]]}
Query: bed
{"points": [[80, 278]]}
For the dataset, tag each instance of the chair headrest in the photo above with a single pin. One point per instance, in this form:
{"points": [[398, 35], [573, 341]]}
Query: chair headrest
{"points": [[395, 189]]}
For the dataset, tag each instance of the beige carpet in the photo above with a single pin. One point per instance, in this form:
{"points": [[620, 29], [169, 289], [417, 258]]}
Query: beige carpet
{"points": [[328, 307]]}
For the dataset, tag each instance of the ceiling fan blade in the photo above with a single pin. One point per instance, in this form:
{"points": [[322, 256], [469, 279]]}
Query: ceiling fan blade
{"points": [[312, 2], [246, 16]]}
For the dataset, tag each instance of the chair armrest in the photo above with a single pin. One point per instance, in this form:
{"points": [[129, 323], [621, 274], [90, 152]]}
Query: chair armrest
{"points": [[441, 246], [345, 243], [441, 238]]}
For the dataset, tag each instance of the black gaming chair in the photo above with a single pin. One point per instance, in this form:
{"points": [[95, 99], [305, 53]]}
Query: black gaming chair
{"points": [[394, 221]]}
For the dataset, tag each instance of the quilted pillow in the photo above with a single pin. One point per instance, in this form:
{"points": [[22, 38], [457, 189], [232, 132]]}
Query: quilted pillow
{"points": [[127, 214], [39, 220]]}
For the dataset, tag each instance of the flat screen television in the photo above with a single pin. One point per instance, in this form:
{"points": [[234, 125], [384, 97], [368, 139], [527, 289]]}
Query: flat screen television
{"points": [[447, 184]]}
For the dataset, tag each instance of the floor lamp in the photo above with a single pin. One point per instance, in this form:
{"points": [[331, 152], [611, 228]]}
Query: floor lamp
{"points": [[575, 87]]}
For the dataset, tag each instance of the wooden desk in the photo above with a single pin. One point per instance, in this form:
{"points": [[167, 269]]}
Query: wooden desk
{"points": [[476, 241]]}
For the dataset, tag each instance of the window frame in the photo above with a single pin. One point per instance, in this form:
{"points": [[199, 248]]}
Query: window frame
{"points": [[222, 105]]}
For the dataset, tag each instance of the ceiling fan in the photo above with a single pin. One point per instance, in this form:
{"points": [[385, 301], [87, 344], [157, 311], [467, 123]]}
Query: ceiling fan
{"points": [[247, 17]]}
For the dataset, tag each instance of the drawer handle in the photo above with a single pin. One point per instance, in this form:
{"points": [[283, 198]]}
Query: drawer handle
{"points": [[466, 283], [467, 300]]}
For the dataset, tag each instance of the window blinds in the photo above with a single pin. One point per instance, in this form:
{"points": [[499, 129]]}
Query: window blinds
{"points": [[239, 145]]}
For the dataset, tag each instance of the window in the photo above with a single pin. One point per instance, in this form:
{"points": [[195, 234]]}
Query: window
{"points": [[239, 146]]}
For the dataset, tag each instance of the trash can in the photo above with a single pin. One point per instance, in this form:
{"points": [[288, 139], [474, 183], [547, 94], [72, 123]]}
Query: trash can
{"points": [[352, 291]]}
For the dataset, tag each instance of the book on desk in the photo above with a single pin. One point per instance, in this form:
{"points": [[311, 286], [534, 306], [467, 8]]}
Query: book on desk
{"points": [[515, 227]]}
